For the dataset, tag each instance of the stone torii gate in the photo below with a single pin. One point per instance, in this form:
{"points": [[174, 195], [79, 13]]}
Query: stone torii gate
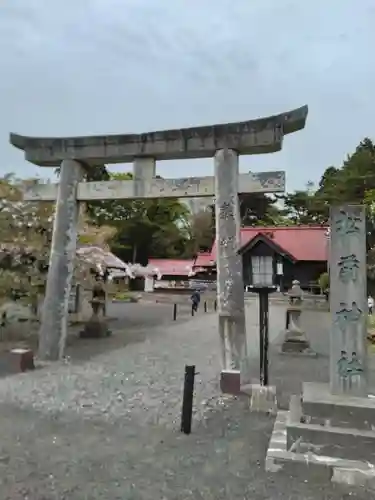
{"points": [[223, 142]]}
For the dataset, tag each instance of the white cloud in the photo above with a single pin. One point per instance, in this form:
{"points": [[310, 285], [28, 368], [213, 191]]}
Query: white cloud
{"points": [[116, 66]]}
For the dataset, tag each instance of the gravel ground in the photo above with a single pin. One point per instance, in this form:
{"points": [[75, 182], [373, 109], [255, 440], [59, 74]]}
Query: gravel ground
{"points": [[134, 323], [130, 322], [109, 428]]}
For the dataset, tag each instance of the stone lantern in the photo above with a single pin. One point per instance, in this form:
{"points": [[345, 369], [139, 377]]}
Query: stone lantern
{"points": [[295, 339], [295, 294]]}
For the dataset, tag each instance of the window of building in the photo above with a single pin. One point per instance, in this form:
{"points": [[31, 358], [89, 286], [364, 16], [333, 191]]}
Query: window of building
{"points": [[262, 268]]}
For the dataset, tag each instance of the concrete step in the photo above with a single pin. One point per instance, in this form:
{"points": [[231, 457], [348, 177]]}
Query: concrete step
{"points": [[307, 465], [353, 444], [348, 412]]}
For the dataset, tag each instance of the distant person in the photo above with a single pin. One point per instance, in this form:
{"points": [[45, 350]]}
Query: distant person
{"points": [[370, 304], [195, 300]]}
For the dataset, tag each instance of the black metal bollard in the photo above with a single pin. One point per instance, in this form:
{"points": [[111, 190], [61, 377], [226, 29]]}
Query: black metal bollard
{"points": [[215, 305], [205, 306], [187, 402], [174, 312]]}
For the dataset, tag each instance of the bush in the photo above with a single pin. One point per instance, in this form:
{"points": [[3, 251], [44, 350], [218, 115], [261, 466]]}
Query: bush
{"points": [[324, 282], [125, 296]]}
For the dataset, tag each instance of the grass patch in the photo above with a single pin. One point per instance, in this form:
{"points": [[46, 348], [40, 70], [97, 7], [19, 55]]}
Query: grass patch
{"points": [[124, 296], [371, 333], [371, 321]]}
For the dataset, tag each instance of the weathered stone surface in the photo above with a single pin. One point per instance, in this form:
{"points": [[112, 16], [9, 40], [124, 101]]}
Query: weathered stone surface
{"points": [[341, 411], [144, 171], [348, 301], [230, 288], [295, 408], [292, 345], [352, 444], [263, 399], [54, 318], [23, 358], [295, 338], [230, 382], [186, 187], [259, 136], [295, 314], [304, 463], [97, 325]]}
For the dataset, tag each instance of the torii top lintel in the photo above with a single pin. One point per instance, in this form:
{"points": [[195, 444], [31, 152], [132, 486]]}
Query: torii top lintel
{"points": [[264, 135]]}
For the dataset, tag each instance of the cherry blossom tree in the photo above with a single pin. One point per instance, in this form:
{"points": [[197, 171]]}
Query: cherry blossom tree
{"points": [[25, 238]]}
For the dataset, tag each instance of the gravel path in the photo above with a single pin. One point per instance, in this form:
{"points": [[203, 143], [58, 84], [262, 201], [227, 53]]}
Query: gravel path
{"points": [[131, 323], [109, 428]]}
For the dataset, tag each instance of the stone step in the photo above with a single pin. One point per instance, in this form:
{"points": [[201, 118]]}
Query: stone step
{"points": [[339, 411], [307, 465], [353, 444]]}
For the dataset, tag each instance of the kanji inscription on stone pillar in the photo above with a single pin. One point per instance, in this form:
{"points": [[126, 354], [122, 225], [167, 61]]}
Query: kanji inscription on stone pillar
{"points": [[348, 300]]}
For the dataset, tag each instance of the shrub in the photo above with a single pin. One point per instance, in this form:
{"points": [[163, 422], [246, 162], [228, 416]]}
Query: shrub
{"points": [[324, 281]]}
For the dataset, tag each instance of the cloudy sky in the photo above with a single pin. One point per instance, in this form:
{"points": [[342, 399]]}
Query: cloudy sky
{"points": [[119, 66]]}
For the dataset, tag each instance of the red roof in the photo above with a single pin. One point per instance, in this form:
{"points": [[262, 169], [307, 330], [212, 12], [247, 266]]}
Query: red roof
{"points": [[301, 242], [171, 267], [204, 259]]}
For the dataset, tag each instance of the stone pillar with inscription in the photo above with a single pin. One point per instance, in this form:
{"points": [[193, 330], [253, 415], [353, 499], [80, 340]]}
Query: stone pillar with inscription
{"points": [[348, 301], [54, 317], [230, 288]]}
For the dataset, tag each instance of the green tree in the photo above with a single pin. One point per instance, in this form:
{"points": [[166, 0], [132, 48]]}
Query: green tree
{"points": [[353, 183], [145, 228], [324, 281], [257, 210], [199, 233], [347, 184], [302, 207]]}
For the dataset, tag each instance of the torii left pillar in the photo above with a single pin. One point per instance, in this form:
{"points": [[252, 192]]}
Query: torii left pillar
{"points": [[230, 286], [54, 318]]}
